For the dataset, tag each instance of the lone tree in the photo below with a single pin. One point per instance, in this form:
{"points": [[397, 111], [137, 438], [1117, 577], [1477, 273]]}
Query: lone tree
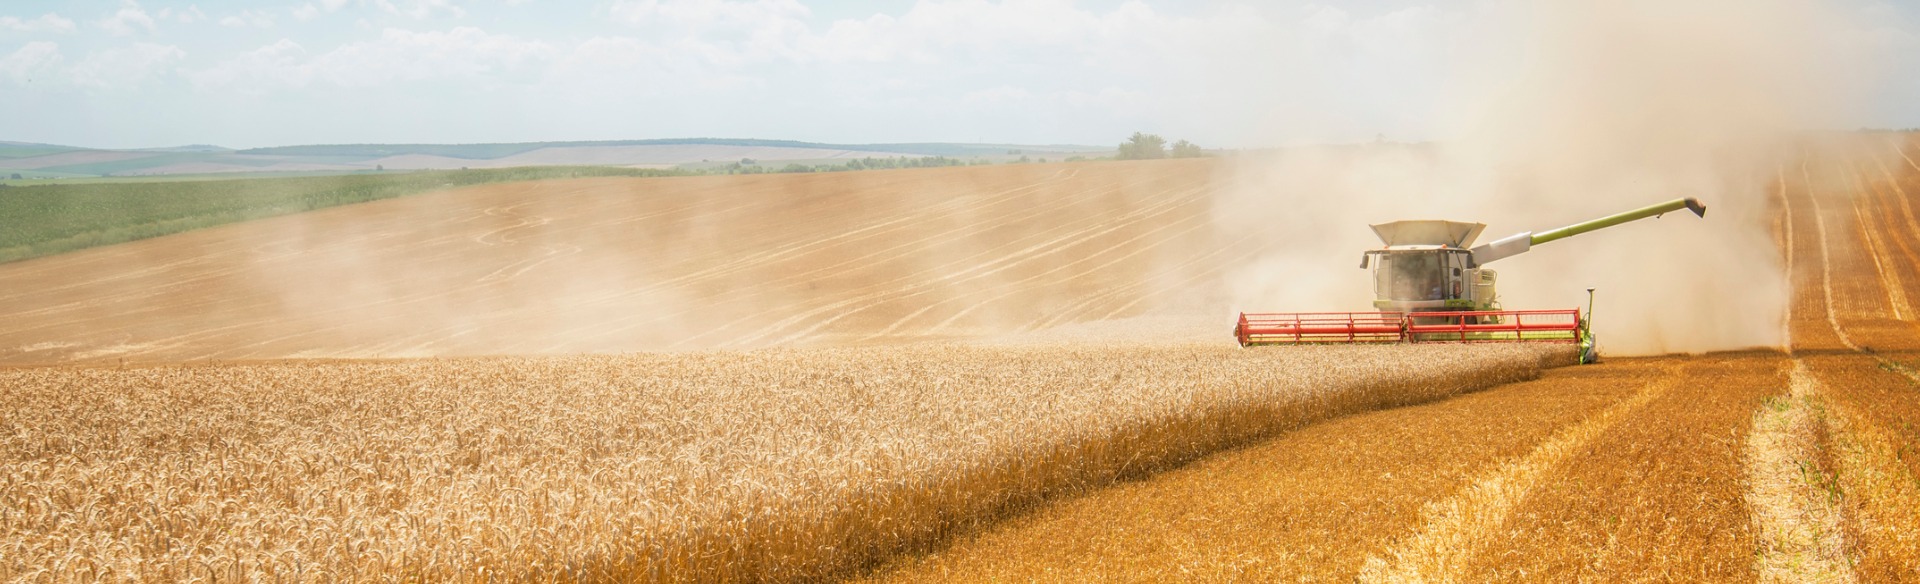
{"points": [[1143, 147], [1185, 149]]}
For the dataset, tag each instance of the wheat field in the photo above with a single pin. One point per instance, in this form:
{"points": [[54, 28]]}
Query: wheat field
{"points": [[774, 465], [891, 449]]}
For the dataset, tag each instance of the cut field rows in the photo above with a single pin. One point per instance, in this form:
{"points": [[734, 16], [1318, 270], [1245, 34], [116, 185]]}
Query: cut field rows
{"points": [[617, 265]]}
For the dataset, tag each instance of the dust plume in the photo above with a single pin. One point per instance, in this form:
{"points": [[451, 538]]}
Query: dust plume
{"points": [[1561, 112]]}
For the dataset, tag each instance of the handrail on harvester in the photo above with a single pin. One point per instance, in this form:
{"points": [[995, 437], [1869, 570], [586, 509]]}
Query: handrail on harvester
{"points": [[1484, 326]]}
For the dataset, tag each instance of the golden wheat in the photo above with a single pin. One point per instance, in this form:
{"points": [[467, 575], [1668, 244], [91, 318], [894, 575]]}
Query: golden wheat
{"points": [[776, 465]]}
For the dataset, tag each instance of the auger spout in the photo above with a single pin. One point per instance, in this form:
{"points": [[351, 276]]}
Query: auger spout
{"points": [[1521, 242]]}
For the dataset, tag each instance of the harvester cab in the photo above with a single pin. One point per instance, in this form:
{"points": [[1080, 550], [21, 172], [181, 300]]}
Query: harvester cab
{"points": [[1426, 266], [1429, 285]]}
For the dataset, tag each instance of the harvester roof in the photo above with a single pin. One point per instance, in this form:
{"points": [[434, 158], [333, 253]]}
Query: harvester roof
{"points": [[1428, 232]]}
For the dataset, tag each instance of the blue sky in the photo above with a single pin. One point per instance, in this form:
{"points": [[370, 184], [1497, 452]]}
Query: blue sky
{"points": [[143, 73]]}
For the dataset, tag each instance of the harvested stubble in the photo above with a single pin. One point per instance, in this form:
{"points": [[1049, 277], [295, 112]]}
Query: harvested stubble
{"points": [[779, 465], [1854, 332], [1308, 506], [1657, 497]]}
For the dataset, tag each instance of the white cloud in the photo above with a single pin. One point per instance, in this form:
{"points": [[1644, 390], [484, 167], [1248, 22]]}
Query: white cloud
{"points": [[997, 95], [48, 22], [1106, 100], [248, 18], [1121, 102], [125, 67], [30, 62], [723, 32], [402, 55], [129, 19], [699, 16], [115, 68], [279, 65], [189, 15], [950, 30], [310, 11], [939, 31], [628, 66], [1127, 64], [463, 53], [421, 9]]}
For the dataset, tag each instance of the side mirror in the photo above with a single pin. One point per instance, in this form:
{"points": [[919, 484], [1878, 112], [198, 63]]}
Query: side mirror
{"points": [[1363, 260]]}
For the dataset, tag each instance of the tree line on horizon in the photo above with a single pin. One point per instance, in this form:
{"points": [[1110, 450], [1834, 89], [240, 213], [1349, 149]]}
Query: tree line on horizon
{"points": [[1144, 146]]}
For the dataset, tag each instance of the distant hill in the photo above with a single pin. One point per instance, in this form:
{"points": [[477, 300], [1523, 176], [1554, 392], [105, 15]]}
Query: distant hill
{"points": [[52, 161], [27, 149], [493, 151], [191, 148]]}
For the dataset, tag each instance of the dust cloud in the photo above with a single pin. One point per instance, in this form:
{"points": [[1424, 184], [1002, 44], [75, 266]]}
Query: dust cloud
{"points": [[1552, 113], [1560, 112]]}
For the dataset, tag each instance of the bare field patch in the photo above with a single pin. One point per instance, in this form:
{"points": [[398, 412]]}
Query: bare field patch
{"points": [[775, 465]]}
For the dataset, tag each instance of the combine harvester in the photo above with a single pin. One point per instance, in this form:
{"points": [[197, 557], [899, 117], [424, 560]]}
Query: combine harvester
{"points": [[1430, 287]]}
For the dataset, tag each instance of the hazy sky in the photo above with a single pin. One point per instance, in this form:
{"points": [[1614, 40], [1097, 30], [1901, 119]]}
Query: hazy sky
{"points": [[142, 73]]}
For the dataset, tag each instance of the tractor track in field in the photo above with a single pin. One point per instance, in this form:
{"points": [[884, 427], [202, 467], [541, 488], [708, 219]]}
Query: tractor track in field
{"points": [[950, 278], [919, 280], [1799, 523], [711, 269], [938, 278], [1452, 533]]}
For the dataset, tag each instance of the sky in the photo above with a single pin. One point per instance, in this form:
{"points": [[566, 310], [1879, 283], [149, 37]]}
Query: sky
{"points": [[1223, 73]]}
